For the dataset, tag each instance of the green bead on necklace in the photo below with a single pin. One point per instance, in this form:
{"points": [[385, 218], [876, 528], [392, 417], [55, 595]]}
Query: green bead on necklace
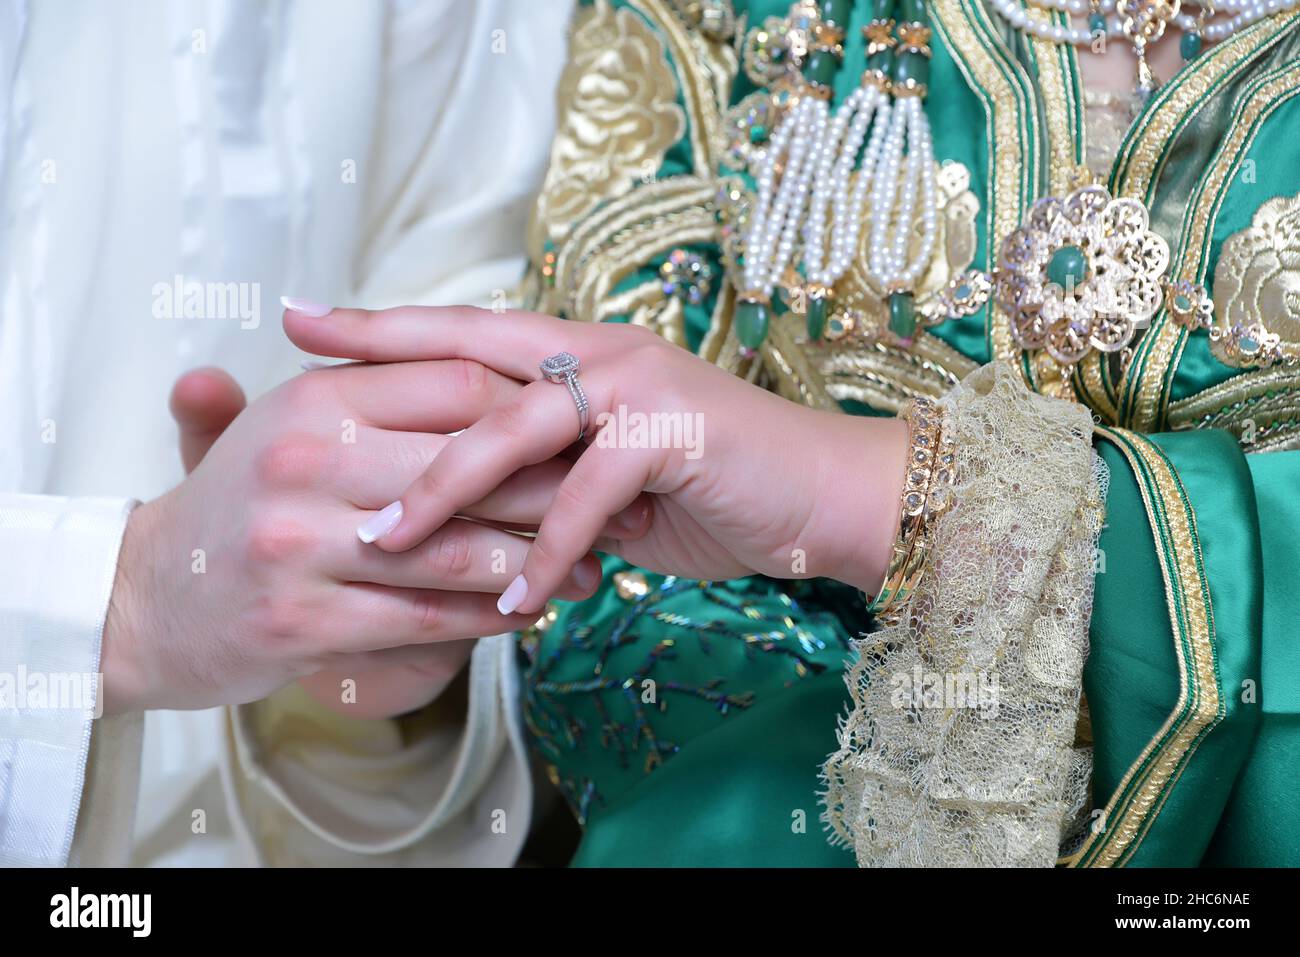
{"points": [[751, 322], [818, 307], [902, 316]]}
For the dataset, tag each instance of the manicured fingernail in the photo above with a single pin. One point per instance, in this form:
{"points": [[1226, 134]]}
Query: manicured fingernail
{"points": [[311, 365], [380, 524], [586, 575], [305, 307], [513, 596]]}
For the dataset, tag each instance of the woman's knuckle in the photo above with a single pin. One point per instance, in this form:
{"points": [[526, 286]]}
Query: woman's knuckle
{"points": [[430, 612], [513, 419], [471, 377], [453, 555]]}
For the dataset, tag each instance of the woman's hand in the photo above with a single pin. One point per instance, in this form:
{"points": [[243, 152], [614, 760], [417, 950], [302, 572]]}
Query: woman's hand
{"points": [[746, 482], [249, 574]]}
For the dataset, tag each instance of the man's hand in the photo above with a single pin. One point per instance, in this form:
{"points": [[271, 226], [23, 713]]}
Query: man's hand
{"points": [[249, 574], [203, 403]]}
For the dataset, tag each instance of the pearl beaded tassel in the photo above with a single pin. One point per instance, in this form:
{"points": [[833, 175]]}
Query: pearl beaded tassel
{"points": [[898, 184], [839, 153], [775, 220]]}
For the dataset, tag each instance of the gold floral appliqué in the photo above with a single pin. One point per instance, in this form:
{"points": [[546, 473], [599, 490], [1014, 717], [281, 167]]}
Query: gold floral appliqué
{"points": [[618, 117], [1257, 288]]}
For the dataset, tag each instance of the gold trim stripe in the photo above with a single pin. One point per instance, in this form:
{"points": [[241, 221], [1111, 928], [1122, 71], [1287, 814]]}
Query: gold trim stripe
{"points": [[1012, 152], [1142, 155], [1140, 796], [1146, 395], [1059, 110], [701, 92]]}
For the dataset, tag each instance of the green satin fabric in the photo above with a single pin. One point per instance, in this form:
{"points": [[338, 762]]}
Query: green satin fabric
{"points": [[688, 726], [1261, 825], [740, 787], [744, 794], [1132, 674]]}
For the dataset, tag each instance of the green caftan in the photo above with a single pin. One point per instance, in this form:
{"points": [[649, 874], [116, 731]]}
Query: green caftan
{"points": [[686, 722]]}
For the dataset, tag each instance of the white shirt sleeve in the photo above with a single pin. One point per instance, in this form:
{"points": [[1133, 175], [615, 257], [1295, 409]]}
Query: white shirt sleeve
{"points": [[58, 559]]}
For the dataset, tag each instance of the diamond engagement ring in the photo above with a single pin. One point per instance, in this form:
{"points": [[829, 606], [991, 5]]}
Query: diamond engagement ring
{"points": [[563, 368]]}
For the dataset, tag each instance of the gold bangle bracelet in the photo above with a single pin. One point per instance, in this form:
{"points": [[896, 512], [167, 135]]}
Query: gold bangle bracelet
{"points": [[927, 488]]}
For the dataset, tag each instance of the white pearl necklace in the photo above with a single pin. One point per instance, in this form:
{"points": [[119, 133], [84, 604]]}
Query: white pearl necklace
{"points": [[1018, 17], [1244, 13]]}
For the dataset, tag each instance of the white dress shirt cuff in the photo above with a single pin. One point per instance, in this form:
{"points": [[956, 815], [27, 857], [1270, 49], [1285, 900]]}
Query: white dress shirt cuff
{"points": [[58, 559]]}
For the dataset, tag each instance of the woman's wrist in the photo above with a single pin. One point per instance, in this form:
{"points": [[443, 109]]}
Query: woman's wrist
{"points": [[858, 500]]}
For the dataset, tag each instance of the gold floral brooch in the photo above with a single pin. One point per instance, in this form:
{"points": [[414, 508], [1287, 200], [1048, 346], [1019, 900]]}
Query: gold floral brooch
{"points": [[1082, 273]]}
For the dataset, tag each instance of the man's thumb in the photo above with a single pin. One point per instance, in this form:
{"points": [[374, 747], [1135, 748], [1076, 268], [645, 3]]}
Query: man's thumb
{"points": [[203, 402]]}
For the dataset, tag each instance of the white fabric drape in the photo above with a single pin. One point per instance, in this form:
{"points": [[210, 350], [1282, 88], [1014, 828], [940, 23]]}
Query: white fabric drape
{"points": [[356, 153]]}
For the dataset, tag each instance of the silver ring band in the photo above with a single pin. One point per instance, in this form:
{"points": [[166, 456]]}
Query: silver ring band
{"points": [[563, 368]]}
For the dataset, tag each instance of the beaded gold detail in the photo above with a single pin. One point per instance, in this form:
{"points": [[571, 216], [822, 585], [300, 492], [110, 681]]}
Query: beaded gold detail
{"points": [[863, 306], [1257, 282], [1144, 22], [879, 35], [714, 19], [914, 36]]}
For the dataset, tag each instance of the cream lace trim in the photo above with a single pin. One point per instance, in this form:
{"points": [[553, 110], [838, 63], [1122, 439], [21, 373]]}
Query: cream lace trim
{"points": [[958, 750]]}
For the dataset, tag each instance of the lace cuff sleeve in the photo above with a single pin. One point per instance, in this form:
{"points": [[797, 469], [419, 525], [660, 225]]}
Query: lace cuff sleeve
{"points": [[958, 749]]}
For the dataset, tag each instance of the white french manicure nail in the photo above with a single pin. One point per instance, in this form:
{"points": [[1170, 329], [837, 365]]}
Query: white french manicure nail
{"points": [[513, 596], [311, 365], [305, 307], [380, 524]]}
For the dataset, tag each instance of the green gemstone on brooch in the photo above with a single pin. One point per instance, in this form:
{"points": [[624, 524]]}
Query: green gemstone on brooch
{"points": [[820, 67], [902, 316], [816, 317], [1068, 267], [1097, 23], [1182, 303], [1190, 45], [751, 323]]}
